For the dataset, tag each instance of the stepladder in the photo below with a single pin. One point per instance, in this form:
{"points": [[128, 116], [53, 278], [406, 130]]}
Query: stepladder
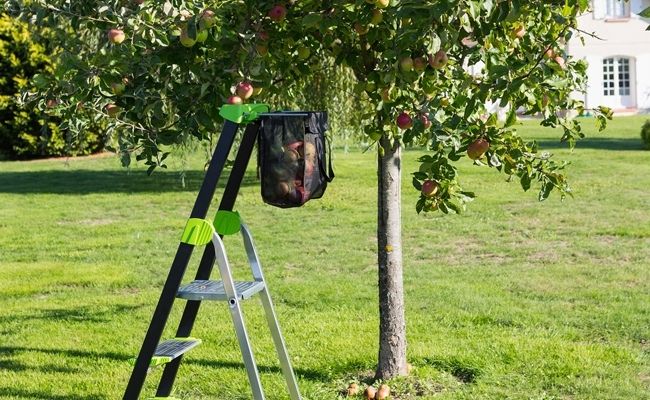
{"points": [[200, 231], [234, 293]]}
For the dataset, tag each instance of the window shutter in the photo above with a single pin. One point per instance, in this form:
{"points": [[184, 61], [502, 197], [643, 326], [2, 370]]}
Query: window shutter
{"points": [[600, 9]]}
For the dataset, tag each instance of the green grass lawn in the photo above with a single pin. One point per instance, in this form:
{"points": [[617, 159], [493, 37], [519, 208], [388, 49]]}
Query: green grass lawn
{"points": [[514, 299]]}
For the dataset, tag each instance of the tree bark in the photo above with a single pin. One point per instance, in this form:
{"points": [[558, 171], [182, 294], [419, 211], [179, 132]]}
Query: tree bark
{"points": [[392, 323]]}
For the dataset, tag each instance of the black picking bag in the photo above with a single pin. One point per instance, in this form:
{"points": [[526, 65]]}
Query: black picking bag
{"points": [[294, 165]]}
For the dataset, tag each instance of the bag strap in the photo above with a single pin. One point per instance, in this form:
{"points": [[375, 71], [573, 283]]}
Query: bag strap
{"points": [[329, 172]]}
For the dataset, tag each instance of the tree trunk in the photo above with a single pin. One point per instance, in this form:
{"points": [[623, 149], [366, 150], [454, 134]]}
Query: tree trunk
{"points": [[392, 324]]}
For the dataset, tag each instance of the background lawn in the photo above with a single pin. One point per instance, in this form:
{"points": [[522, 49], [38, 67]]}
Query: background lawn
{"points": [[514, 299]]}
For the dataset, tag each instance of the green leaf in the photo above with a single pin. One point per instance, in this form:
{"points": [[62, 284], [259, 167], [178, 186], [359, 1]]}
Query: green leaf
{"points": [[511, 119], [417, 184], [525, 182], [311, 20], [645, 13]]}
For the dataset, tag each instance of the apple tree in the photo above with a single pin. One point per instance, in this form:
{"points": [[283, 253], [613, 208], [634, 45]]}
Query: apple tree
{"points": [[448, 76]]}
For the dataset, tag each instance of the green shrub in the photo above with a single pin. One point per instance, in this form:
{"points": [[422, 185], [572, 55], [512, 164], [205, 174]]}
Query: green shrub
{"points": [[645, 134], [31, 133]]}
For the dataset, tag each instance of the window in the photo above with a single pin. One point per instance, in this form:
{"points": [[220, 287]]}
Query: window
{"points": [[617, 9], [616, 76]]}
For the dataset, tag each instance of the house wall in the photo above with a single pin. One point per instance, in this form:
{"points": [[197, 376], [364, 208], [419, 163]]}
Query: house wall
{"points": [[624, 37]]}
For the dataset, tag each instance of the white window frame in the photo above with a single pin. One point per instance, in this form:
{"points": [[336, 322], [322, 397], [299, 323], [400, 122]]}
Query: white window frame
{"points": [[617, 9], [617, 76]]}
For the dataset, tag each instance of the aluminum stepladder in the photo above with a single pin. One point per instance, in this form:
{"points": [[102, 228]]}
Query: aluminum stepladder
{"points": [[199, 231]]}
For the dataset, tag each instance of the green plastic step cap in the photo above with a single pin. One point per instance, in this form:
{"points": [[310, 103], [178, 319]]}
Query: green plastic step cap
{"points": [[197, 232], [242, 113], [227, 222]]}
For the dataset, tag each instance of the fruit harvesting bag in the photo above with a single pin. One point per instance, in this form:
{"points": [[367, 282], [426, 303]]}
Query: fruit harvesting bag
{"points": [[293, 162]]}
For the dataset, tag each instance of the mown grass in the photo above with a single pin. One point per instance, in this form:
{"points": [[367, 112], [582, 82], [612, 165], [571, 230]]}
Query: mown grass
{"points": [[514, 299]]}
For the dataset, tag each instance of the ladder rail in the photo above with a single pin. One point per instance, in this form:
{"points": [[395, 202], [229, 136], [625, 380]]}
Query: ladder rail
{"points": [[237, 317], [271, 317]]}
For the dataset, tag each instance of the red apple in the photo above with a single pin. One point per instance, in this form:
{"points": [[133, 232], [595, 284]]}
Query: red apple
{"points": [[377, 17], [112, 110], [370, 393], [383, 392], [207, 19], [353, 389], [51, 103], [235, 100], [430, 188], [404, 121], [560, 61], [387, 95], [116, 36], [290, 156], [296, 145], [419, 64], [244, 90], [477, 148], [468, 42], [262, 49], [360, 29], [277, 13], [282, 188], [519, 32], [263, 36], [438, 60], [549, 53], [425, 121]]}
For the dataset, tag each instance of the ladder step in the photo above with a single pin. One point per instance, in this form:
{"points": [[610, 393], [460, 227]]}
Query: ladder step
{"points": [[173, 348], [214, 290]]}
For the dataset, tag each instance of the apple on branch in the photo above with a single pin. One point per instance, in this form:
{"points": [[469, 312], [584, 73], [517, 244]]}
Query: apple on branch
{"points": [[235, 100], [425, 121], [430, 188], [207, 19], [382, 3], [406, 64], [117, 88], [277, 13], [419, 64], [244, 90], [404, 121], [116, 36], [438, 60], [186, 40], [112, 110], [377, 16], [477, 148]]}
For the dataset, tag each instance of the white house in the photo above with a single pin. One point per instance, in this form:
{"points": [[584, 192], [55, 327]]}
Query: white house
{"points": [[619, 59]]}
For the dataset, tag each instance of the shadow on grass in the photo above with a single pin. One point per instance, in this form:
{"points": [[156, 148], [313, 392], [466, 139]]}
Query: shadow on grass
{"points": [[108, 181], [11, 365], [595, 144], [6, 351], [461, 370], [27, 394], [78, 314], [309, 374]]}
